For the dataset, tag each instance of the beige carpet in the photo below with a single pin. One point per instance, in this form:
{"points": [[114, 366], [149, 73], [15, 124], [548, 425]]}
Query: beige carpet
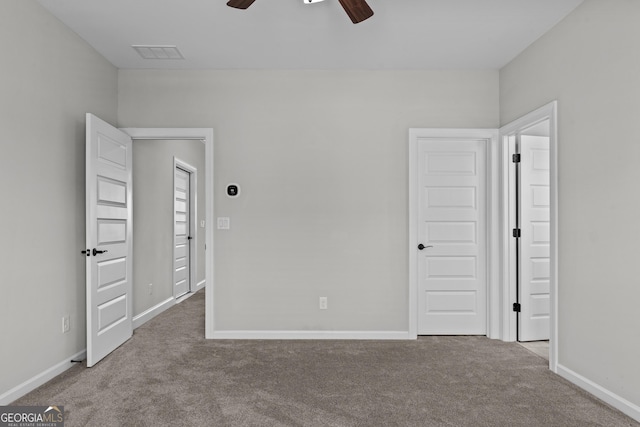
{"points": [[169, 375]]}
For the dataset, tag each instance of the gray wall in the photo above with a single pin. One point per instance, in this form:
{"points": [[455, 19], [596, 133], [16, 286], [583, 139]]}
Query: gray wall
{"points": [[590, 64], [321, 157], [49, 79], [153, 217]]}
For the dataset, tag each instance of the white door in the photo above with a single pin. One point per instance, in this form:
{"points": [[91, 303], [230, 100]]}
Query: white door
{"points": [[109, 238], [182, 233], [452, 234], [534, 243]]}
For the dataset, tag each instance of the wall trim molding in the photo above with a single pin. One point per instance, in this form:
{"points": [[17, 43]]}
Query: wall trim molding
{"points": [[200, 285], [152, 312], [618, 402], [36, 381], [313, 335]]}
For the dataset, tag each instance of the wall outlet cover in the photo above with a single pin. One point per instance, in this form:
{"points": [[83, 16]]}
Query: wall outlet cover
{"points": [[66, 324]]}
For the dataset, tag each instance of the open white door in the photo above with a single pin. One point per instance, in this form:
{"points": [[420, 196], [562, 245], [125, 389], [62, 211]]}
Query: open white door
{"points": [[534, 243], [181, 232], [109, 238]]}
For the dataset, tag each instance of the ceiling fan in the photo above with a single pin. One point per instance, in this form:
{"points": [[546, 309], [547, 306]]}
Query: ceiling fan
{"points": [[358, 10]]}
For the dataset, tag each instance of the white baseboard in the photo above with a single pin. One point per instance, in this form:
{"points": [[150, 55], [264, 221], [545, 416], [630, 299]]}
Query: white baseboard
{"points": [[311, 335], [38, 380], [200, 285], [47, 375], [620, 403], [152, 312]]}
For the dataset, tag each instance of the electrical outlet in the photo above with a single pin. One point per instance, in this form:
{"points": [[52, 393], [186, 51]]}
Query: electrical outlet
{"points": [[150, 288], [66, 324], [323, 303]]}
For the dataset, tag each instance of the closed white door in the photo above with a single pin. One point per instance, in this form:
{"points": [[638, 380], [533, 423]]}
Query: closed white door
{"points": [[452, 237], [534, 243], [182, 233], [109, 238]]}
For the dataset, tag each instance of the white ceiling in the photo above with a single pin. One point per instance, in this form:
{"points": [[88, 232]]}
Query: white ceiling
{"points": [[289, 34]]}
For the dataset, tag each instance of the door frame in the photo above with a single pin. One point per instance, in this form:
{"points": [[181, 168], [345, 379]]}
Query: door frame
{"points": [[490, 136], [193, 223], [206, 136], [508, 244]]}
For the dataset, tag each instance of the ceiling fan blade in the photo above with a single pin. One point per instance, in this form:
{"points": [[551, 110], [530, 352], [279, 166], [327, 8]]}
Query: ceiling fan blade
{"points": [[358, 10], [240, 4]]}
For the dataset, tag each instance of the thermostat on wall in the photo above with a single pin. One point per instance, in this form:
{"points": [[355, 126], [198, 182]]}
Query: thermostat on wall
{"points": [[233, 190]]}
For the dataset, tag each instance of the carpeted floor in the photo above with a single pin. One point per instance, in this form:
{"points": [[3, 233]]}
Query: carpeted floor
{"points": [[169, 375]]}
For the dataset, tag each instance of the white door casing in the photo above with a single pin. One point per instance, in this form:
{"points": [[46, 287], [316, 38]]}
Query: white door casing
{"points": [[452, 219], [534, 199], [109, 238]]}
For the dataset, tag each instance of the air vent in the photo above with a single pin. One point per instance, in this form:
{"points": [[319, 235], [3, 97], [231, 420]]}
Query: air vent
{"points": [[158, 52]]}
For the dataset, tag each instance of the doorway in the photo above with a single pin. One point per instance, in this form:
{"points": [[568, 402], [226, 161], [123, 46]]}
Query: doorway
{"points": [[529, 260], [205, 136], [453, 232], [168, 249], [109, 232]]}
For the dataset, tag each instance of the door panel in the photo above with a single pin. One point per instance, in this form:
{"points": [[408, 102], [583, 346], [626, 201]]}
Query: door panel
{"points": [[452, 226], [109, 229], [182, 226], [534, 244]]}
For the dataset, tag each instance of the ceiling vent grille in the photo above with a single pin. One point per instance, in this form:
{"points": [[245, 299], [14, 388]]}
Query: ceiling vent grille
{"points": [[158, 52]]}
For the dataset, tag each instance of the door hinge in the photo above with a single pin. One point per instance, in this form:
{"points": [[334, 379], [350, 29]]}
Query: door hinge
{"points": [[516, 158], [516, 233], [516, 307]]}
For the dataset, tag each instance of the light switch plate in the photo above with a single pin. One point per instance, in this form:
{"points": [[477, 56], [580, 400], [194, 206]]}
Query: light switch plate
{"points": [[224, 223]]}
